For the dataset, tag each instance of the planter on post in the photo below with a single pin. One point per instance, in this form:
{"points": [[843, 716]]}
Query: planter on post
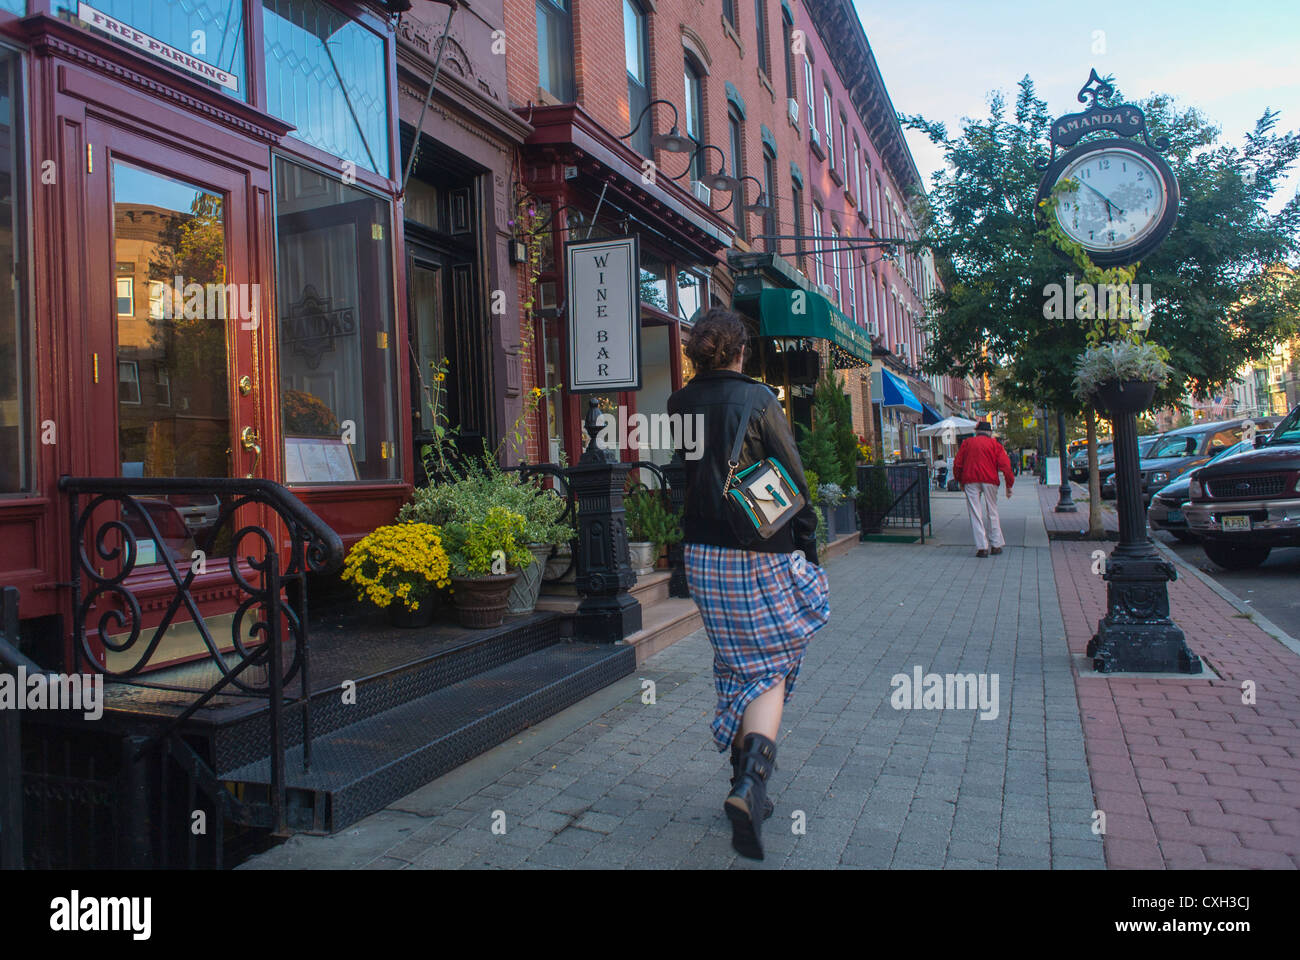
{"points": [[675, 472], [1137, 633], [607, 613]]}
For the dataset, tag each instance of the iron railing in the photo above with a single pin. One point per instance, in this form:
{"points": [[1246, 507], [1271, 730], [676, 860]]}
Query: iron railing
{"points": [[910, 489], [11, 781], [110, 530]]}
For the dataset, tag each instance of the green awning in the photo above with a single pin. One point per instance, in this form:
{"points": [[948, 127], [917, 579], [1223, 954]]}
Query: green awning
{"points": [[803, 313]]}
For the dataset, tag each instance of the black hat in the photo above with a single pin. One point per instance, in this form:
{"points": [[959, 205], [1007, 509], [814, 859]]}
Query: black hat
{"points": [[983, 427]]}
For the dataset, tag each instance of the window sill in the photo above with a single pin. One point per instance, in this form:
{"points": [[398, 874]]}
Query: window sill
{"points": [[835, 177], [730, 31], [762, 78], [862, 219], [816, 148]]}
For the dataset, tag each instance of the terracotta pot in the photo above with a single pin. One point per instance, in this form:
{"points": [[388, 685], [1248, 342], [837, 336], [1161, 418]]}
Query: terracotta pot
{"points": [[399, 616], [481, 601], [1125, 396]]}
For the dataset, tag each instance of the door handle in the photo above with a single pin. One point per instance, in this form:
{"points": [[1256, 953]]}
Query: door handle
{"points": [[250, 441]]}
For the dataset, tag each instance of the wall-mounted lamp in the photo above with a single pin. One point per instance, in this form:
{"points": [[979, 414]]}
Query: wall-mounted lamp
{"points": [[673, 141]]}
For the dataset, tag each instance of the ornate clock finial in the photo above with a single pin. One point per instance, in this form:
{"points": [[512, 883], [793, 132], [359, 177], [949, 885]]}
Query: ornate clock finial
{"points": [[1089, 93]]}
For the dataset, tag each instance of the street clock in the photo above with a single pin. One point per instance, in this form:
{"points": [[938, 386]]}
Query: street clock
{"points": [[1125, 199]]}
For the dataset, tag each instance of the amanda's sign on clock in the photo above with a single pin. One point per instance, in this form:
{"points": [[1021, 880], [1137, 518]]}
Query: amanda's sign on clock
{"points": [[604, 314]]}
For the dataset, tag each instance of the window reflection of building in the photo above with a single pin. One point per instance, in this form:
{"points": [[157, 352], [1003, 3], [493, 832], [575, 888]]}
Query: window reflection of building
{"points": [[14, 470]]}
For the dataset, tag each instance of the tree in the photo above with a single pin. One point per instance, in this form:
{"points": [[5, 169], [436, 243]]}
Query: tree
{"points": [[1219, 299], [830, 448]]}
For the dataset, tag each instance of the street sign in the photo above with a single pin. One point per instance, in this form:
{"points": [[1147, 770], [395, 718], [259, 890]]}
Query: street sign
{"points": [[604, 314]]}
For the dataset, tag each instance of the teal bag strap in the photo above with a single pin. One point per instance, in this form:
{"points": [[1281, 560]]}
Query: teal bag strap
{"points": [[733, 461]]}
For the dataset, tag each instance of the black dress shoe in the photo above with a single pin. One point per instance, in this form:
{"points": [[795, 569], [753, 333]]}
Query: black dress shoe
{"points": [[995, 551], [981, 553]]}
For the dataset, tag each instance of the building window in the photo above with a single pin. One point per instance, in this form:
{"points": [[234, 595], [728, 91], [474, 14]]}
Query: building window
{"points": [[844, 149], [637, 53], [796, 201], [220, 23], [830, 135], [818, 257], [808, 94], [853, 286], [729, 11], [737, 170], [328, 76], [337, 341], [692, 294], [857, 173], [162, 379], [760, 33], [694, 114], [787, 55], [770, 219], [555, 49], [128, 382], [125, 296], [835, 267]]}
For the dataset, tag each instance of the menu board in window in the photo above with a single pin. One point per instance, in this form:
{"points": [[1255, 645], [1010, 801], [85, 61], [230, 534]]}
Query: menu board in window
{"points": [[318, 460]]}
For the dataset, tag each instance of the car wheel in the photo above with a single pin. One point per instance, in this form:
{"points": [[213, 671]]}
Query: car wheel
{"points": [[1236, 557]]}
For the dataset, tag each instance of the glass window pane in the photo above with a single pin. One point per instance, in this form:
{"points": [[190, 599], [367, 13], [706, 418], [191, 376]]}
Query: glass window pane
{"points": [[654, 281], [634, 41], [692, 293], [18, 7], [208, 30], [334, 283], [328, 76], [555, 49]]}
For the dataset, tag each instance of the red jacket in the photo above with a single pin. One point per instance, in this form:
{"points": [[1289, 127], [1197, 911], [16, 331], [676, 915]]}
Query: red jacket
{"points": [[980, 459]]}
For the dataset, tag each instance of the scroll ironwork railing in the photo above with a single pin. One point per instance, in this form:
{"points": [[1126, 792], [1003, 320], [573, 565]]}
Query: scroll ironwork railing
{"points": [[122, 526]]}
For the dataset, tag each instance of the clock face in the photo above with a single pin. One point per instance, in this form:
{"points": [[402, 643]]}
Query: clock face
{"points": [[1121, 199]]}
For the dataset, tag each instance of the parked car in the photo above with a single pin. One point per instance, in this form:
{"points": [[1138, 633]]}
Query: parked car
{"points": [[1244, 506], [1166, 510], [157, 515], [1106, 465], [1180, 451], [200, 511], [1079, 460]]}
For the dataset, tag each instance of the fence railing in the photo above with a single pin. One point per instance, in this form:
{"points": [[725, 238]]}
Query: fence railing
{"points": [[120, 525], [910, 486]]}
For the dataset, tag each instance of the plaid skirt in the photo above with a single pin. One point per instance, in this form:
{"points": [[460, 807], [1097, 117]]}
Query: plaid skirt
{"points": [[759, 611]]}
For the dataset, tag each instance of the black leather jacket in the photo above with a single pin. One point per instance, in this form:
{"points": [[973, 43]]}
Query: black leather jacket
{"points": [[719, 395]]}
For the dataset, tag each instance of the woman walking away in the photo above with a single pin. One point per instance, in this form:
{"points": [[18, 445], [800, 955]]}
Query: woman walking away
{"points": [[761, 594]]}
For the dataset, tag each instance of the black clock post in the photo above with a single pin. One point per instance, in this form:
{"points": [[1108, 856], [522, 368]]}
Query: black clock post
{"points": [[1137, 634]]}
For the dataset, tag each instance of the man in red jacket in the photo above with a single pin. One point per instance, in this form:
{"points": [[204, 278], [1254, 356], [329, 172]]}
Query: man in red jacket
{"points": [[979, 461]]}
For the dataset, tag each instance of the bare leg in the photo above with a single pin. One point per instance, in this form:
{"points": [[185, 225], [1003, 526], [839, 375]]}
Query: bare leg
{"points": [[763, 715]]}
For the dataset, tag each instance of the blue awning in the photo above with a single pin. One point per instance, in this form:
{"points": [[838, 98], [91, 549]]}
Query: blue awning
{"points": [[929, 414], [896, 393]]}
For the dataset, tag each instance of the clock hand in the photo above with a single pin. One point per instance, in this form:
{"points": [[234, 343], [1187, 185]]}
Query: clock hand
{"points": [[1109, 203]]}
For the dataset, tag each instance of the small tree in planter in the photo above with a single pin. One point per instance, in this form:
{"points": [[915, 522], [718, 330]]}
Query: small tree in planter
{"points": [[661, 525], [830, 448], [637, 505], [874, 499]]}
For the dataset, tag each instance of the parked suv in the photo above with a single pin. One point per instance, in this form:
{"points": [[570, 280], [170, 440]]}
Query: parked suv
{"points": [[1245, 505], [1079, 459], [1166, 510], [1181, 451], [1106, 464]]}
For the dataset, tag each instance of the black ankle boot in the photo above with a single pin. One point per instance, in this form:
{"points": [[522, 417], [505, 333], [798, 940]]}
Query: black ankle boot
{"points": [[748, 798], [768, 806]]}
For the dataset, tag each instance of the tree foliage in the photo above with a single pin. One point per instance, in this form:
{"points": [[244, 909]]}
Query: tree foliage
{"points": [[830, 448], [1223, 285]]}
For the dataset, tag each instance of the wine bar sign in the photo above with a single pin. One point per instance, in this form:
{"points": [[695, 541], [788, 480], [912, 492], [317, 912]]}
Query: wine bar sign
{"points": [[604, 312]]}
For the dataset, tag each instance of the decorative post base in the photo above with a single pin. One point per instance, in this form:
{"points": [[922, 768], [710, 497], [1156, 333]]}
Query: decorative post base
{"points": [[1065, 503], [675, 472], [607, 619]]}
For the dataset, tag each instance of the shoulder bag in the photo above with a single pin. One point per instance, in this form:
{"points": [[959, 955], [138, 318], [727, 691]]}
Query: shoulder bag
{"points": [[761, 498]]}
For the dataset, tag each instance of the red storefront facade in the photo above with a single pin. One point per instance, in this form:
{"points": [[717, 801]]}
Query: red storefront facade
{"points": [[215, 265]]}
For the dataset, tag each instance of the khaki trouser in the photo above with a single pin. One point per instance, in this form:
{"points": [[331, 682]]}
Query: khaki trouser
{"points": [[982, 499]]}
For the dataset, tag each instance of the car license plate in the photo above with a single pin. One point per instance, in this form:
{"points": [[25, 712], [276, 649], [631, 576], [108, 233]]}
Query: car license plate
{"points": [[1240, 522], [1174, 516]]}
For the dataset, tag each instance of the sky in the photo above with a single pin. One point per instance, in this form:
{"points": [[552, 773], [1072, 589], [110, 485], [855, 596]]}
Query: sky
{"points": [[1231, 60]]}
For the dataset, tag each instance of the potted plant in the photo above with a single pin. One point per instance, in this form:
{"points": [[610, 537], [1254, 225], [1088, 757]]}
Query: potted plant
{"points": [[641, 552], [485, 556], [874, 499], [829, 498], [1121, 376], [400, 568], [661, 525]]}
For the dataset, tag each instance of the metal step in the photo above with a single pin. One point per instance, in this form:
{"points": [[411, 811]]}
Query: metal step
{"points": [[361, 768]]}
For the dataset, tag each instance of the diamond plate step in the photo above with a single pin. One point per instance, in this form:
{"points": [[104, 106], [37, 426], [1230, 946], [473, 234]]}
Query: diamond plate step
{"points": [[361, 768]]}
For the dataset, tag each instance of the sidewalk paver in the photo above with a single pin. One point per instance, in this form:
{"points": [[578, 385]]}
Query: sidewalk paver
{"points": [[859, 784]]}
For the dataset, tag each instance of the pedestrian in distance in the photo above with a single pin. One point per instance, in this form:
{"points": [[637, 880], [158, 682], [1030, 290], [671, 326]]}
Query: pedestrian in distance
{"points": [[761, 599], [978, 463]]}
